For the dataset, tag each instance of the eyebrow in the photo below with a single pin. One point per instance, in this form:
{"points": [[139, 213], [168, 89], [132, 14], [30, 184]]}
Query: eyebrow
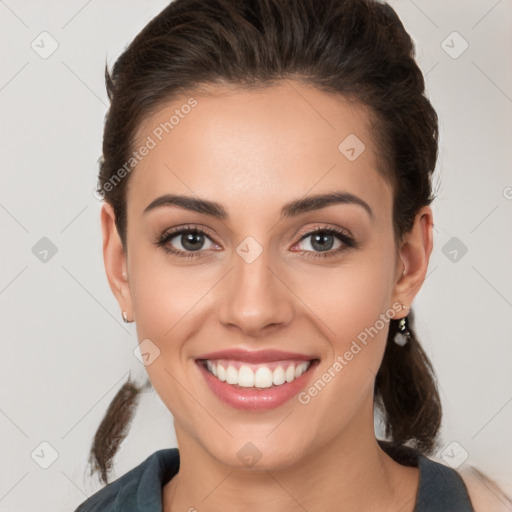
{"points": [[292, 209]]}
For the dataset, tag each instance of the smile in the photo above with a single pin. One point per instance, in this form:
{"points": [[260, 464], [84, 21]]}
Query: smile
{"points": [[256, 386], [245, 375]]}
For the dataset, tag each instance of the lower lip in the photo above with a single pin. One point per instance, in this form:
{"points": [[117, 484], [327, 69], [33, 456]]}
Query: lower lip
{"points": [[256, 399]]}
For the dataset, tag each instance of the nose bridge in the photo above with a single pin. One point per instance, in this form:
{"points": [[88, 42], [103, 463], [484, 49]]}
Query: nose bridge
{"points": [[254, 298]]}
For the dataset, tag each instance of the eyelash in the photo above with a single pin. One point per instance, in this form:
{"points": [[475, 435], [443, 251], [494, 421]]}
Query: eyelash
{"points": [[342, 236]]}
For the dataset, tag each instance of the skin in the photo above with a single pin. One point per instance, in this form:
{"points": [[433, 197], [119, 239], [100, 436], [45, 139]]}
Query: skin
{"points": [[253, 152]]}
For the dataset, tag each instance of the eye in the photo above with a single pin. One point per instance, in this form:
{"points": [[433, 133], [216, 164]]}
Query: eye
{"points": [[188, 239], [323, 239], [188, 242]]}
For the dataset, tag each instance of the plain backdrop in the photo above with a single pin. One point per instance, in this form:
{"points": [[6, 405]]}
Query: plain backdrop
{"points": [[65, 349]]}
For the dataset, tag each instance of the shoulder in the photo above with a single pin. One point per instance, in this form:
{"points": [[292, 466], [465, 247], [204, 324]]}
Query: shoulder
{"points": [[140, 484], [485, 494]]}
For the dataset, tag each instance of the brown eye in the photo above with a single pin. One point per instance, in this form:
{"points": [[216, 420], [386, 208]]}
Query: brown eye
{"points": [[185, 241]]}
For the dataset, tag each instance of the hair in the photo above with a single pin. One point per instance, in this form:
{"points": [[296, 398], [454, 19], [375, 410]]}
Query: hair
{"points": [[358, 49]]}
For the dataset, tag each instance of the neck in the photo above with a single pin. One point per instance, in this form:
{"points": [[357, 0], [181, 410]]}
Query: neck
{"points": [[351, 472]]}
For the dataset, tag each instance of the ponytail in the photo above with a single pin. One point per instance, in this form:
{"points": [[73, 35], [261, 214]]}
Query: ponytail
{"points": [[406, 393], [114, 428]]}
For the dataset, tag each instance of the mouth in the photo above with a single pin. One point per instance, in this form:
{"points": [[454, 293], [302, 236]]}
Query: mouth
{"points": [[247, 375], [256, 386]]}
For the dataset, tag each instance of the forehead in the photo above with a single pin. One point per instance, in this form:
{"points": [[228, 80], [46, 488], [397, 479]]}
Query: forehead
{"points": [[262, 145]]}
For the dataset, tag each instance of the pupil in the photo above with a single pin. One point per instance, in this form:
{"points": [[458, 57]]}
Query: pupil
{"points": [[321, 240], [190, 241]]}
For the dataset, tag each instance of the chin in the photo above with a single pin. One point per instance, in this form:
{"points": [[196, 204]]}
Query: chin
{"points": [[257, 453]]}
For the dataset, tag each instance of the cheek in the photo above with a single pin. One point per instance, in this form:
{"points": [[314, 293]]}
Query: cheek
{"points": [[164, 294], [350, 298], [353, 304], [166, 302]]}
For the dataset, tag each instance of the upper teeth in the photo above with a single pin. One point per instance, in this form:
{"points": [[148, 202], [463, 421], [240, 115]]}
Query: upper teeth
{"points": [[259, 376]]}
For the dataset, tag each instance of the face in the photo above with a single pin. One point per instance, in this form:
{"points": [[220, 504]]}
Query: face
{"points": [[259, 274]]}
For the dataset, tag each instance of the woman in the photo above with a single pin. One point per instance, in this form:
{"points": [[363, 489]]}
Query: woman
{"points": [[266, 171]]}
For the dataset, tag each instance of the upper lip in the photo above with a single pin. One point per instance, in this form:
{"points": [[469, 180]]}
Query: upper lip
{"points": [[255, 356]]}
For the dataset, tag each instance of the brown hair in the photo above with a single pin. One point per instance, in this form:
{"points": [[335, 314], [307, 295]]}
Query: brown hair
{"points": [[356, 48]]}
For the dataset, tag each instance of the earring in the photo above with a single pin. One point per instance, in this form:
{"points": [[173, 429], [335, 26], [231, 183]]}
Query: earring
{"points": [[403, 335], [125, 317]]}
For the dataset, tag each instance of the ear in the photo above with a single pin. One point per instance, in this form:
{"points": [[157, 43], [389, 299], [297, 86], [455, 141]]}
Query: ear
{"points": [[414, 256], [115, 260]]}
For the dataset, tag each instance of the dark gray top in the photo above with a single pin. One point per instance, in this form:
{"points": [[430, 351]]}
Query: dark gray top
{"points": [[140, 489]]}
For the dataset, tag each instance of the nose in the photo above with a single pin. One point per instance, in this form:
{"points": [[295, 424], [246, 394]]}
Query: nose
{"points": [[254, 298]]}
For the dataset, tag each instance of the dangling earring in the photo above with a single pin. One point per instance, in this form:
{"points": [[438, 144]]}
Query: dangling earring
{"points": [[125, 317], [403, 335]]}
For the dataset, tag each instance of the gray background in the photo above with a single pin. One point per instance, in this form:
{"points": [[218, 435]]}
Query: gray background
{"points": [[66, 350]]}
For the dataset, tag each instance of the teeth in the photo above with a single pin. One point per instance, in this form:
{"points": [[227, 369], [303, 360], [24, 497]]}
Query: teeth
{"points": [[263, 377], [245, 377], [231, 375], [259, 376], [278, 377], [221, 373]]}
